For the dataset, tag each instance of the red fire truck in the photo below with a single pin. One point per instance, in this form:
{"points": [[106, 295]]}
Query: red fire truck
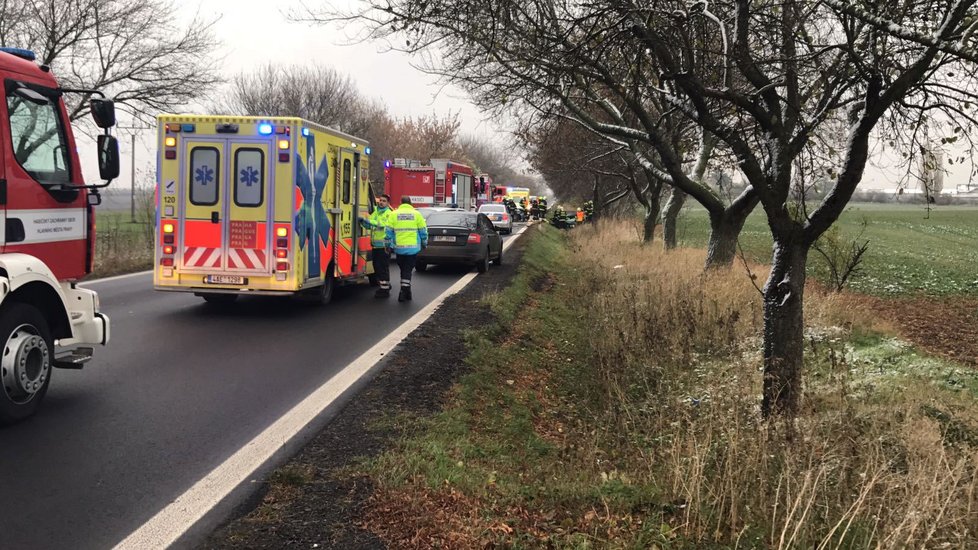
{"points": [[47, 235], [443, 182]]}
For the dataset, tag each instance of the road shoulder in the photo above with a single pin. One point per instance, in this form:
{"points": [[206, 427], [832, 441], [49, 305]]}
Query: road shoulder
{"points": [[313, 501]]}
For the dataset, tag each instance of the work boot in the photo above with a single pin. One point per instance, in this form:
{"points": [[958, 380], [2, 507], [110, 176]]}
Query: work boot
{"points": [[383, 293], [405, 294]]}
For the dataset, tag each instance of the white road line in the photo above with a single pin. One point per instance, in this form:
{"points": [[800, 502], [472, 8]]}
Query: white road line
{"points": [[115, 278], [173, 521]]}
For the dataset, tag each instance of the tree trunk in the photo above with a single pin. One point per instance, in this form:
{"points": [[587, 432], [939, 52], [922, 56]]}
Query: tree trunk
{"points": [[724, 232], [784, 328], [725, 228], [598, 206], [670, 216], [651, 217]]}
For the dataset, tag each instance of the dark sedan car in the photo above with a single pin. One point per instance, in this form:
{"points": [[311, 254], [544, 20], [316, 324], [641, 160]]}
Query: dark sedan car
{"points": [[461, 238]]}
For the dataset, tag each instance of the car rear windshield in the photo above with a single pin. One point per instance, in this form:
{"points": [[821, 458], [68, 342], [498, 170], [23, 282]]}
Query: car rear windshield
{"points": [[453, 219], [492, 208]]}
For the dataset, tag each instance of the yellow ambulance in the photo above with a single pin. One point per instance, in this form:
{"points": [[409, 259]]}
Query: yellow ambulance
{"points": [[265, 206]]}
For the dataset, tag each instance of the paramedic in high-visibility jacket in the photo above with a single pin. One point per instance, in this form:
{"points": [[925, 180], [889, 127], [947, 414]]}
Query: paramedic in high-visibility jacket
{"points": [[407, 234], [377, 223]]}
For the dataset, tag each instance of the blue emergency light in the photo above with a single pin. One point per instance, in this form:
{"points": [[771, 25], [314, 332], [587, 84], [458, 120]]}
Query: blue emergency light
{"points": [[188, 128], [366, 150], [265, 129], [387, 164], [305, 132], [21, 53]]}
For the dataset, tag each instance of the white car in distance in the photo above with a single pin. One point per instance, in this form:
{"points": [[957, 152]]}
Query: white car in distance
{"points": [[499, 217]]}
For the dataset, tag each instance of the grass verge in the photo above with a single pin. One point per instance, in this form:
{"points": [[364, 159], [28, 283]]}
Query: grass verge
{"points": [[615, 405], [121, 245]]}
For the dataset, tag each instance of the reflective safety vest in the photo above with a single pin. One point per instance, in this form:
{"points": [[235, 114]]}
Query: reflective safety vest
{"points": [[580, 216], [407, 231], [377, 223]]}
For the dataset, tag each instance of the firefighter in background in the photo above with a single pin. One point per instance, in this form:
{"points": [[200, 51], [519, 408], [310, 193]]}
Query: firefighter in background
{"points": [[588, 210], [580, 215], [377, 223], [558, 218], [407, 234]]}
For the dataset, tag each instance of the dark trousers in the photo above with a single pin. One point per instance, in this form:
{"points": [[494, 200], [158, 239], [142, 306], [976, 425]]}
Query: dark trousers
{"points": [[382, 270], [406, 263]]}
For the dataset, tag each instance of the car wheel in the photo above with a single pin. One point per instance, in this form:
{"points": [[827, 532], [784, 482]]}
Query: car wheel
{"points": [[28, 355], [420, 266], [219, 299], [499, 259], [483, 264]]}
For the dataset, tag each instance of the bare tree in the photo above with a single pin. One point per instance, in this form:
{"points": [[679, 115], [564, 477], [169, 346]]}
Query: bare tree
{"points": [[561, 59], [502, 164], [785, 86], [578, 164], [135, 51], [320, 94]]}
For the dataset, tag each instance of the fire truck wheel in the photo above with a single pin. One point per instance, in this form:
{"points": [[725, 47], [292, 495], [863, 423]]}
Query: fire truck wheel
{"points": [[483, 264], [219, 299], [25, 366], [420, 266]]}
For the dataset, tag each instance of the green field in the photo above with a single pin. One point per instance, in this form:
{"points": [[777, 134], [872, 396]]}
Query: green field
{"points": [[910, 251]]}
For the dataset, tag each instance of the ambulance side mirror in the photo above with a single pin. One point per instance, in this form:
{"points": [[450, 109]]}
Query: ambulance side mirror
{"points": [[108, 157], [103, 111]]}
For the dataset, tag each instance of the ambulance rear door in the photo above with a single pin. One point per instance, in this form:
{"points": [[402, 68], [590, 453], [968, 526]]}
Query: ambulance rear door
{"points": [[200, 228], [249, 206]]}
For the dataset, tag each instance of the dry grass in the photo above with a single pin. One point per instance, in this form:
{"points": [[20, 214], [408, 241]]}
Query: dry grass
{"points": [[617, 406], [122, 246], [677, 353]]}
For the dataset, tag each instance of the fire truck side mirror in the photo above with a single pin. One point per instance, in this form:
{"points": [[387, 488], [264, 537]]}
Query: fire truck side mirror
{"points": [[108, 157], [103, 111]]}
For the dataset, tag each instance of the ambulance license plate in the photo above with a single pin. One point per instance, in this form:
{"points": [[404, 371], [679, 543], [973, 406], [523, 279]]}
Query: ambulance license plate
{"points": [[226, 280], [445, 238]]}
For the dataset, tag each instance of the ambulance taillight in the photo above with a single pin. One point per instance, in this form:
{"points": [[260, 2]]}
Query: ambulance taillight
{"points": [[281, 252], [169, 238]]}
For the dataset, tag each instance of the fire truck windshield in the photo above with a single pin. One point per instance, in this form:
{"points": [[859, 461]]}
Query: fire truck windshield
{"points": [[38, 136]]}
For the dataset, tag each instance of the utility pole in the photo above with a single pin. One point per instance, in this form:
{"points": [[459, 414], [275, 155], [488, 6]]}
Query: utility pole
{"points": [[132, 182]]}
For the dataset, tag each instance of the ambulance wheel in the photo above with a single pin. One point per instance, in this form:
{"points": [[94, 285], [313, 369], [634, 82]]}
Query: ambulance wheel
{"points": [[420, 266], [325, 292], [219, 299], [26, 361], [483, 264]]}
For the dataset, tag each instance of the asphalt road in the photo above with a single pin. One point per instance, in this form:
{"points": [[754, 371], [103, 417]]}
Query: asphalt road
{"points": [[179, 389]]}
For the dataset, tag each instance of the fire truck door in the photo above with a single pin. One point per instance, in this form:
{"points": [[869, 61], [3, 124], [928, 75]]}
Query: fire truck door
{"points": [[249, 207], [347, 227], [200, 231]]}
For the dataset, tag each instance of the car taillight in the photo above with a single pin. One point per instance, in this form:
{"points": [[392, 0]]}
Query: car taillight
{"points": [[475, 238], [505, 217]]}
